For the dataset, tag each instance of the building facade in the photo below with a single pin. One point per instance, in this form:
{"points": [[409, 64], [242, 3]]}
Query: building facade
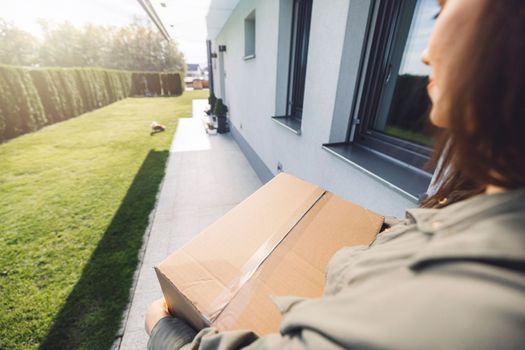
{"points": [[332, 91]]}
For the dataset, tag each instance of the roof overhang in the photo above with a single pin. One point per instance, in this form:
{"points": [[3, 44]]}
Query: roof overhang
{"points": [[218, 13]]}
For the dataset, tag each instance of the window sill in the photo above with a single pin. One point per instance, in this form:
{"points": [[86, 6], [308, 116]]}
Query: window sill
{"points": [[249, 57], [409, 181], [289, 123]]}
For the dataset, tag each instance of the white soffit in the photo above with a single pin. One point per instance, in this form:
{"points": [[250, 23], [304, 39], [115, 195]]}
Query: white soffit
{"points": [[218, 14]]}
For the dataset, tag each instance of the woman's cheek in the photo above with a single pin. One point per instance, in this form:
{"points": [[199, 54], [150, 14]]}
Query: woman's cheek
{"points": [[437, 115]]}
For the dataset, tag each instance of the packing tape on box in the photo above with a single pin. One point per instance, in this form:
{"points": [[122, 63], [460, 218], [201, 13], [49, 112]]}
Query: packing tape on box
{"points": [[251, 266]]}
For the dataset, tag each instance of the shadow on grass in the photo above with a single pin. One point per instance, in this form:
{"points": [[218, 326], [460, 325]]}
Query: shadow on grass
{"points": [[92, 313]]}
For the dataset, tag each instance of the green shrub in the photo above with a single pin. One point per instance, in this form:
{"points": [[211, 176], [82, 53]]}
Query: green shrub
{"points": [[212, 100], [109, 88], [125, 81], [122, 82], [156, 84], [172, 84], [175, 85], [138, 83], [2, 123], [94, 88], [49, 95], [5, 106], [83, 87], [146, 84], [220, 109], [87, 84], [164, 84], [20, 104], [69, 91], [153, 81]]}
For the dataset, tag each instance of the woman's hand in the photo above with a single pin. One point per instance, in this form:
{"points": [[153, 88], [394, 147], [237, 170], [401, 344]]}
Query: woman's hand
{"points": [[156, 310]]}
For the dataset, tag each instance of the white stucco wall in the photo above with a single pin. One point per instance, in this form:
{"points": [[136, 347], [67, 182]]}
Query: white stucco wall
{"points": [[251, 88]]}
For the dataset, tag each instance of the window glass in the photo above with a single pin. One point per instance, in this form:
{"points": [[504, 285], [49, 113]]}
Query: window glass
{"points": [[404, 106], [249, 35], [302, 12]]}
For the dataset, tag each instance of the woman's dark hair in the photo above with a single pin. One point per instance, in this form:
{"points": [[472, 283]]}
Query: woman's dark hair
{"points": [[485, 142]]}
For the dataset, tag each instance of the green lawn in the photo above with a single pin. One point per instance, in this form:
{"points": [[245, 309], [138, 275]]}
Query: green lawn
{"points": [[410, 135], [74, 203]]}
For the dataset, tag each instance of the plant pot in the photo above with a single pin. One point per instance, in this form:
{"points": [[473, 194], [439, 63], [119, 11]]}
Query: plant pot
{"points": [[222, 125]]}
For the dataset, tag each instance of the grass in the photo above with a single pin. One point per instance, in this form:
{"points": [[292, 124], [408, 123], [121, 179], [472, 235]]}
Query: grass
{"points": [[74, 203], [410, 135]]}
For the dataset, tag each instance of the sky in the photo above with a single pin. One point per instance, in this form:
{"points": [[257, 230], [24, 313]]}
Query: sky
{"points": [[185, 21], [422, 24], [25, 14]]}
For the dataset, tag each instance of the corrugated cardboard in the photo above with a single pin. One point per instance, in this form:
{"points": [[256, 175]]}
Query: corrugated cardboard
{"points": [[276, 242]]}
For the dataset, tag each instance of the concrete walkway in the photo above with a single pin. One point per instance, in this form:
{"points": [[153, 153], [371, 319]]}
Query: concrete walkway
{"points": [[205, 177]]}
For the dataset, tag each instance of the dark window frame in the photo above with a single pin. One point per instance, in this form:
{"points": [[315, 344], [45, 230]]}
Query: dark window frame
{"points": [[297, 64], [299, 42], [250, 35], [378, 69]]}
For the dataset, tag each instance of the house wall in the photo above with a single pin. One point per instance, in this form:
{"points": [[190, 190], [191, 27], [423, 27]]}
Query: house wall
{"points": [[254, 92]]}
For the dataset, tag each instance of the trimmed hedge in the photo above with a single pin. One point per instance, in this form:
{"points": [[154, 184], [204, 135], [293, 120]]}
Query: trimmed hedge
{"points": [[153, 80], [156, 84], [21, 109], [33, 98], [138, 84], [49, 95], [174, 84]]}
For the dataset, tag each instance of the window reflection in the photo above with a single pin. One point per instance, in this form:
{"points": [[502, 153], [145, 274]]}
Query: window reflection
{"points": [[403, 111]]}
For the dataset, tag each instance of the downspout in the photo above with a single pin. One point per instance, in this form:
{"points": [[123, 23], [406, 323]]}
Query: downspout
{"points": [[210, 65]]}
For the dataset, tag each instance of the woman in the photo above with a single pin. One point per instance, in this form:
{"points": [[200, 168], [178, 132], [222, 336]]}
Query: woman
{"points": [[451, 275]]}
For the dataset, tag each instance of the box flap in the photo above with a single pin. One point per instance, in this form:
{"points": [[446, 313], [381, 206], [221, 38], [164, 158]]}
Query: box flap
{"points": [[185, 308]]}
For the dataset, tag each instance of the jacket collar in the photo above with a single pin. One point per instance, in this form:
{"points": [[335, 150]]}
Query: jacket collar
{"points": [[489, 228]]}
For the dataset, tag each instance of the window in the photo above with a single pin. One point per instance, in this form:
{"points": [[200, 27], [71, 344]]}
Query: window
{"points": [[249, 36], [300, 33], [395, 106], [390, 117]]}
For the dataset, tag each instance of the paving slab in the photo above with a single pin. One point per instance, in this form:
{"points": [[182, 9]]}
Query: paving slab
{"points": [[206, 176]]}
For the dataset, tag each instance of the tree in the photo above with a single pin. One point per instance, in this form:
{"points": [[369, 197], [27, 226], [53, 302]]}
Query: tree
{"points": [[62, 45], [140, 47], [17, 47], [136, 47]]}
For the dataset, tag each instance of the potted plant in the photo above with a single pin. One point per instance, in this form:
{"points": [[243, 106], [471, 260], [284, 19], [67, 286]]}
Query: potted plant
{"points": [[220, 111], [211, 129], [212, 100]]}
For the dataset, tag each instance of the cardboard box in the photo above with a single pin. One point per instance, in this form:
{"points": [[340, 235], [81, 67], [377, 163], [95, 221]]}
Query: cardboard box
{"points": [[277, 242]]}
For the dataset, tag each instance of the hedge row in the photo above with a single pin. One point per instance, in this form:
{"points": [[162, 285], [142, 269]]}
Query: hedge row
{"points": [[33, 98], [156, 84], [21, 109]]}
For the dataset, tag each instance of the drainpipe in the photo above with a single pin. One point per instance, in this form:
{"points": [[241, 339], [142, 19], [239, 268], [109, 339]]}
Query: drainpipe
{"points": [[210, 65]]}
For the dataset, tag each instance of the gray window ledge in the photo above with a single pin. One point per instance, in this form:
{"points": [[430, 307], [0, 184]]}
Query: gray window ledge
{"points": [[249, 57], [407, 180], [289, 123]]}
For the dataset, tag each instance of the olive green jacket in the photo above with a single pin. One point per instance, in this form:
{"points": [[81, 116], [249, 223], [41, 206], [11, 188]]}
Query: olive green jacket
{"points": [[451, 278]]}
